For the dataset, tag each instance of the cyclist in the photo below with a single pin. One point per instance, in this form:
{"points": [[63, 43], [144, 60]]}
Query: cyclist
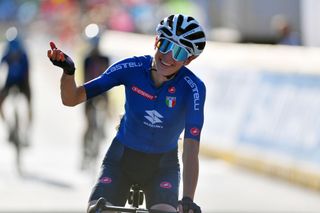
{"points": [[16, 59], [94, 64], [163, 98]]}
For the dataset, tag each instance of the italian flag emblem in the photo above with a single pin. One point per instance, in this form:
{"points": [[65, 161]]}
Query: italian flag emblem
{"points": [[170, 101]]}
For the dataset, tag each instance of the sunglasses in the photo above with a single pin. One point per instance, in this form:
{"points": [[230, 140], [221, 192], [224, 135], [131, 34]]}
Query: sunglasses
{"points": [[178, 53]]}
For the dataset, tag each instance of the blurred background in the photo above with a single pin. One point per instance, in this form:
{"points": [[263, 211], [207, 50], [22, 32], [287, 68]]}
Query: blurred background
{"points": [[247, 21], [260, 148]]}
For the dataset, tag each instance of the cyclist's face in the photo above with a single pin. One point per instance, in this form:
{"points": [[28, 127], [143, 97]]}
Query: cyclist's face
{"points": [[166, 65]]}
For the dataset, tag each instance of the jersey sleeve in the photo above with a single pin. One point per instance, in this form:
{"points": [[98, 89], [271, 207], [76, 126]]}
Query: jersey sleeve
{"points": [[195, 110], [117, 74]]}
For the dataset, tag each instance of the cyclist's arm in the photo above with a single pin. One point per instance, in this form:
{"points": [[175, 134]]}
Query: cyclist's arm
{"points": [[115, 75], [190, 167], [71, 94], [193, 127]]}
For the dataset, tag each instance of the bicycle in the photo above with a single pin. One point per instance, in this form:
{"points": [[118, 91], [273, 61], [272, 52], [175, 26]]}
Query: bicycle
{"points": [[17, 129], [135, 199], [94, 133]]}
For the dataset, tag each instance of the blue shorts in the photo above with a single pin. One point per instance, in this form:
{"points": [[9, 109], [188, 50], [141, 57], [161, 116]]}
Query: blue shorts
{"points": [[157, 174]]}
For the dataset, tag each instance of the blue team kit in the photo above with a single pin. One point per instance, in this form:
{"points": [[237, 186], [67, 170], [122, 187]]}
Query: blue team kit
{"points": [[155, 116]]}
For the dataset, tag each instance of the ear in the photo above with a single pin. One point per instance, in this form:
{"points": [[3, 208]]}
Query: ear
{"points": [[191, 58], [155, 42]]}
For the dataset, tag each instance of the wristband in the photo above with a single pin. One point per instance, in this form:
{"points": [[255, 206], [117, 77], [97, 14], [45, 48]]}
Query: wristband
{"points": [[187, 199], [69, 71], [67, 65]]}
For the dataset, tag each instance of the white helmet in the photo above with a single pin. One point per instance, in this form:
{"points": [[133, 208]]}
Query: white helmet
{"points": [[185, 31]]}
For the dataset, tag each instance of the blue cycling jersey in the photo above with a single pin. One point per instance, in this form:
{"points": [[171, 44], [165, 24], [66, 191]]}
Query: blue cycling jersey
{"points": [[16, 59], [154, 116]]}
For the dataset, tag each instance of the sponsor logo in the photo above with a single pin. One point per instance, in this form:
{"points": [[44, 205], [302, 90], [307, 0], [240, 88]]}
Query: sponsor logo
{"points": [[196, 96], [171, 101], [154, 119], [105, 180], [165, 185], [143, 93], [195, 131], [172, 90], [122, 66]]}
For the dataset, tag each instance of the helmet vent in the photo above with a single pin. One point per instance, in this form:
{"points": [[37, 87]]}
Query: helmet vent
{"points": [[195, 36], [190, 27], [201, 45], [170, 21], [179, 30], [186, 43], [190, 19], [166, 31]]}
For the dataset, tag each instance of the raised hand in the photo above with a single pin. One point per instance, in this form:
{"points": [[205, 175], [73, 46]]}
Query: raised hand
{"points": [[60, 59]]}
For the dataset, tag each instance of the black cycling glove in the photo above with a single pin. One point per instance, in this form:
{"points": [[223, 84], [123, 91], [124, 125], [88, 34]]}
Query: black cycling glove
{"points": [[188, 204], [101, 202], [67, 65]]}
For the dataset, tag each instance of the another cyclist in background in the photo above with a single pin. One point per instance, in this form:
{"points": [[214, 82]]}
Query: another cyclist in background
{"points": [[96, 109], [16, 59], [163, 98]]}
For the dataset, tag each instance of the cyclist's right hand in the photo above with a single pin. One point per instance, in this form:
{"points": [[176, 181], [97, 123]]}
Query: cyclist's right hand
{"points": [[60, 59], [96, 208]]}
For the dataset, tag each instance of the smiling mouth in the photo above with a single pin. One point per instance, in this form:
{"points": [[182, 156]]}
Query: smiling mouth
{"points": [[165, 64]]}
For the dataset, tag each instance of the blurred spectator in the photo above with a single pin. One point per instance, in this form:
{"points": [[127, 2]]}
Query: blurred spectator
{"points": [[16, 59], [8, 10], [121, 20], [62, 18], [96, 109], [285, 34]]}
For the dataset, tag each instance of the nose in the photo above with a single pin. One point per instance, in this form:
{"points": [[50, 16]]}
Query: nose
{"points": [[168, 57]]}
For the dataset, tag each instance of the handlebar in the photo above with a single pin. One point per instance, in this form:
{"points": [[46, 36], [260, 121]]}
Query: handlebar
{"points": [[124, 209], [135, 199], [102, 206]]}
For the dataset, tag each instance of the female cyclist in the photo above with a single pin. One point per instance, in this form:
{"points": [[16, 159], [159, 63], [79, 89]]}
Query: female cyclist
{"points": [[163, 98]]}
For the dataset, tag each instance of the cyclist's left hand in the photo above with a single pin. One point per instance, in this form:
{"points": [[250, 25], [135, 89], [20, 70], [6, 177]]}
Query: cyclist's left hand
{"points": [[98, 205], [186, 205]]}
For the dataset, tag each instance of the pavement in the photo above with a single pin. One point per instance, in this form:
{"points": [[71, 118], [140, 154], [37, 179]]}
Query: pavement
{"points": [[53, 182]]}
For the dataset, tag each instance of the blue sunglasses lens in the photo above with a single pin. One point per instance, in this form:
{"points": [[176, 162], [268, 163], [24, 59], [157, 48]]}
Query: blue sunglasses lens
{"points": [[178, 53], [165, 46]]}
